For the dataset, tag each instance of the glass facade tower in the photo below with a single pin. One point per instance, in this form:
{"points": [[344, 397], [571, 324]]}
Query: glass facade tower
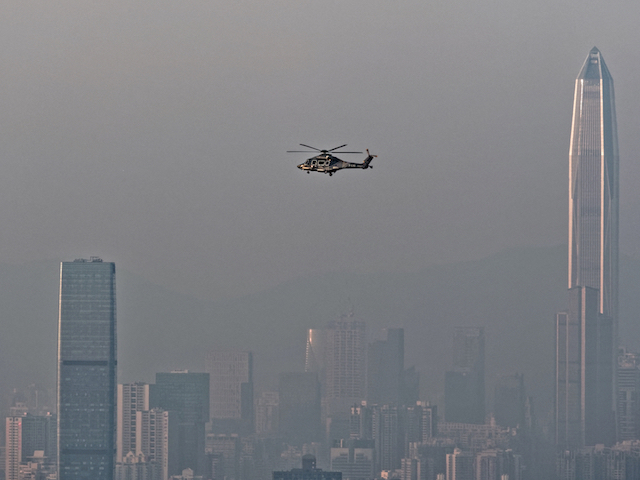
{"points": [[593, 185], [385, 369], [464, 385], [230, 390], [587, 331], [185, 395], [584, 373], [87, 370]]}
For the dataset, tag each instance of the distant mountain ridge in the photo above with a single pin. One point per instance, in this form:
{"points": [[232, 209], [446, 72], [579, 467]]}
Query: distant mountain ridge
{"points": [[514, 294]]}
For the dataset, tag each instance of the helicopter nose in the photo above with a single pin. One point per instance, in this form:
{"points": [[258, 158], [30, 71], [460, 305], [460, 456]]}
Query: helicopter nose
{"points": [[300, 166]]}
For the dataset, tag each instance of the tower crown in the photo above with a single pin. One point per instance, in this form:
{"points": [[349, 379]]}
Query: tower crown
{"points": [[594, 66]]}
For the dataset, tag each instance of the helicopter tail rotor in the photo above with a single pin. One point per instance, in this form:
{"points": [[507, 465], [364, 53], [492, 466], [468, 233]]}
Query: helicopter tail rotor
{"points": [[367, 160]]}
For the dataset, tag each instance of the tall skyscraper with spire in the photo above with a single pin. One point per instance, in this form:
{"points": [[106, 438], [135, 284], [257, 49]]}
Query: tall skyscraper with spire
{"points": [[87, 370], [593, 185], [586, 331]]}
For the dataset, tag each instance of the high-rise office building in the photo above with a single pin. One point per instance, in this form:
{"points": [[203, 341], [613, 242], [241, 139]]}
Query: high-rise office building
{"points": [[156, 439], [13, 447], [299, 394], [345, 362], [584, 373], [87, 370], [429, 421], [411, 386], [345, 373], [146, 438], [461, 398], [628, 396], [185, 395], [509, 401], [314, 352], [496, 464], [464, 385], [266, 408], [132, 398], [598, 462], [388, 433], [586, 332], [361, 422], [355, 459], [468, 348], [593, 185], [460, 465], [39, 434], [420, 423], [230, 390], [431, 459], [224, 452], [385, 368], [137, 467], [26, 434]]}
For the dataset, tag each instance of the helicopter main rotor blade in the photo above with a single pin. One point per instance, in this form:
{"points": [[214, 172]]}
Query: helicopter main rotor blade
{"points": [[318, 150], [337, 148], [312, 148]]}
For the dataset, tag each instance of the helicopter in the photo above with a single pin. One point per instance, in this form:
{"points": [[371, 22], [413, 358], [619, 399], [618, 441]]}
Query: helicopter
{"points": [[326, 162]]}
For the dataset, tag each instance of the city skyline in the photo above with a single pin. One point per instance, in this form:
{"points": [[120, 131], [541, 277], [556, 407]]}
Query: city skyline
{"points": [[156, 137], [183, 390], [179, 281], [142, 162]]}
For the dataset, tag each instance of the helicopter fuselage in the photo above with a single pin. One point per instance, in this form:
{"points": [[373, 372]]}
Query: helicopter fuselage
{"points": [[326, 163]]}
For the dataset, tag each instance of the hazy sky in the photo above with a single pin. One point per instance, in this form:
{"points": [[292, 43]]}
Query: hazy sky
{"points": [[153, 133]]}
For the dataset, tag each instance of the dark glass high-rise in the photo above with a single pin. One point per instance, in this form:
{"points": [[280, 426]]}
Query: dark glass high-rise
{"points": [[185, 395], [300, 407], [464, 385], [385, 369], [87, 370], [509, 401], [230, 390]]}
